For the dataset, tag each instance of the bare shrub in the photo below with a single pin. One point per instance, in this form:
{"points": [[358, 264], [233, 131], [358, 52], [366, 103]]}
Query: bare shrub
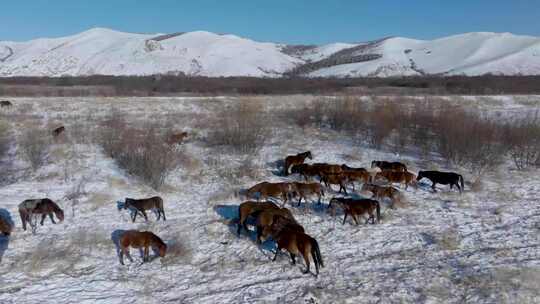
{"points": [[4, 138], [523, 139], [242, 127], [177, 252], [34, 144]]}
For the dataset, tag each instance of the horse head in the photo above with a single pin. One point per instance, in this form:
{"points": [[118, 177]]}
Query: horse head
{"points": [[308, 155], [420, 175], [59, 214]]}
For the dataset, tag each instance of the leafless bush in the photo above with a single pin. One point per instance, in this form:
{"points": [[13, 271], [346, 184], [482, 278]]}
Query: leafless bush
{"points": [[34, 145], [4, 139], [142, 152], [523, 140], [242, 127], [178, 252]]}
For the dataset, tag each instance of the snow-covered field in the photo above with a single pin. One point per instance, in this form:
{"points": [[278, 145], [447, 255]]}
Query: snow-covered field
{"points": [[478, 247]]}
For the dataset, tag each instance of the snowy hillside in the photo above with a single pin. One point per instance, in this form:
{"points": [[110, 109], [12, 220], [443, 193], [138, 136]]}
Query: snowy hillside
{"points": [[109, 52]]}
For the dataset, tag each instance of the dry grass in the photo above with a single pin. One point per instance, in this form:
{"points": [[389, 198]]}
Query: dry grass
{"points": [[34, 144]]}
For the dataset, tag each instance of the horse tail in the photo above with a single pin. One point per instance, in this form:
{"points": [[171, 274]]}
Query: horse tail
{"points": [[22, 213], [316, 253], [461, 181]]}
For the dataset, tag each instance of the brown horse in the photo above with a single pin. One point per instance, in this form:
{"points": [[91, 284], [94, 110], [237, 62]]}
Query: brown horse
{"points": [[401, 177], [56, 132], [296, 160], [335, 179], [384, 165], [361, 176], [5, 226], [266, 190], [357, 207], [325, 169], [177, 138], [249, 208], [381, 192], [305, 170], [297, 243], [140, 239], [266, 218], [141, 205], [5, 103], [42, 206], [307, 189]]}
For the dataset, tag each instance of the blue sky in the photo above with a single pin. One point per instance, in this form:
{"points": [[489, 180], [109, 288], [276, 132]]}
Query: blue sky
{"points": [[300, 21]]}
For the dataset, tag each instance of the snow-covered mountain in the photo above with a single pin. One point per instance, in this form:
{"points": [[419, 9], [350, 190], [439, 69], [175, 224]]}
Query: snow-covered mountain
{"points": [[109, 52]]}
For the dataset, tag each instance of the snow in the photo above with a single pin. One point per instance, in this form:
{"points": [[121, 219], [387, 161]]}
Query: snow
{"points": [[109, 52], [481, 246]]}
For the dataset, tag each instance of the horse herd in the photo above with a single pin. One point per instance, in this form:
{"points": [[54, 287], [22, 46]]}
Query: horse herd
{"points": [[277, 222], [271, 220]]}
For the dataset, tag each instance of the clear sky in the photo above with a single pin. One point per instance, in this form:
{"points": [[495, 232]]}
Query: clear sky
{"points": [[288, 21]]}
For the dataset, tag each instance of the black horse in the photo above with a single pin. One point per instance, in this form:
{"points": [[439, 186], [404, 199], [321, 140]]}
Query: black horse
{"points": [[444, 178]]}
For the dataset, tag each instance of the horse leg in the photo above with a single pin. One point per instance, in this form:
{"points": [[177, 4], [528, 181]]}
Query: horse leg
{"points": [[433, 187], [163, 213], [23, 219], [259, 233], [293, 258], [306, 260], [345, 217], [354, 218], [278, 249], [134, 216], [42, 218], [121, 256], [146, 256], [52, 218], [145, 216]]}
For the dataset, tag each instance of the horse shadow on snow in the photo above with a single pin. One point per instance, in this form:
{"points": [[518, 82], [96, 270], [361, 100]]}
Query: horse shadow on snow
{"points": [[232, 217]]}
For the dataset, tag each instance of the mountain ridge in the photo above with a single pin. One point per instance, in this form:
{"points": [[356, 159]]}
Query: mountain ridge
{"points": [[103, 51]]}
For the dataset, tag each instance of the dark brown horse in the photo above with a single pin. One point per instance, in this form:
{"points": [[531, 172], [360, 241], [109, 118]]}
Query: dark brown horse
{"points": [[266, 218], [56, 132], [306, 170], [177, 138], [357, 207], [251, 208], [141, 205], [335, 179], [5, 226], [140, 239], [5, 103], [381, 191], [384, 165], [296, 243], [42, 206], [297, 159]]}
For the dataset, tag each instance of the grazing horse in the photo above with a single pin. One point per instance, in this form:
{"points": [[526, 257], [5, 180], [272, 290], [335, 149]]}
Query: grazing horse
{"points": [[306, 189], [335, 179], [401, 177], [140, 239], [42, 206], [357, 207], [384, 165], [249, 208], [5, 103], [266, 218], [56, 132], [305, 170], [296, 160], [177, 138], [297, 243], [266, 190], [141, 205], [444, 178]]}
